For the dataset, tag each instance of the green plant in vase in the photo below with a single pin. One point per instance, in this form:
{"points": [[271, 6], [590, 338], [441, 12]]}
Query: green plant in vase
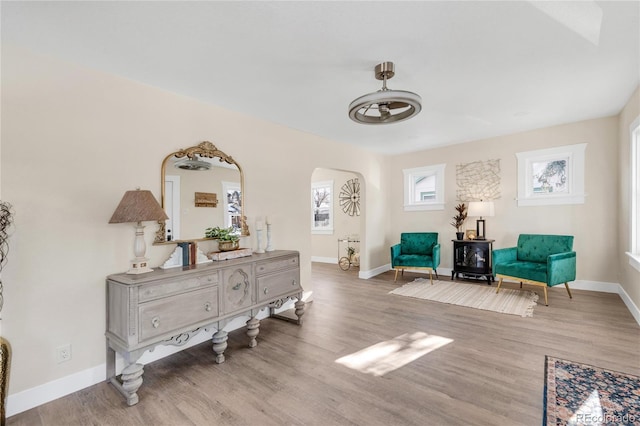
{"points": [[458, 220], [227, 239]]}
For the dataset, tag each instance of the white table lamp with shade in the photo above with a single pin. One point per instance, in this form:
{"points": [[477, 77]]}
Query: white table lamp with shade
{"points": [[481, 209], [138, 206]]}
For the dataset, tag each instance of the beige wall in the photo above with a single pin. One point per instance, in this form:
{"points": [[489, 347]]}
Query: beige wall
{"points": [[594, 223], [629, 277], [326, 246], [73, 141]]}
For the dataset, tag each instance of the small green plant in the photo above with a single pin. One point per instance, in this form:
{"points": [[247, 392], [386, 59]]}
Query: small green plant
{"points": [[458, 220], [221, 234]]}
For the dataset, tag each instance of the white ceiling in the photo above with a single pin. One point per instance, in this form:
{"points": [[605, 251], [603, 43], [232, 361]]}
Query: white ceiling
{"points": [[482, 68]]}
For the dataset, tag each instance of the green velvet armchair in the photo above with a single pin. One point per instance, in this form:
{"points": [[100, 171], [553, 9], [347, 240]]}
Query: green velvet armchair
{"points": [[541, 260], [417, 250]]}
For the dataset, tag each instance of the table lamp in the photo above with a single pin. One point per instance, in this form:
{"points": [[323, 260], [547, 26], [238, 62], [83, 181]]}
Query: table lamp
{"points": [[481, 209], [138, 206]]}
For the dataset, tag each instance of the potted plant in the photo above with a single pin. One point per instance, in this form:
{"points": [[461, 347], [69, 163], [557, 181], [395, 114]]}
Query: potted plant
{"points": [[458, 220], [227, 239]]}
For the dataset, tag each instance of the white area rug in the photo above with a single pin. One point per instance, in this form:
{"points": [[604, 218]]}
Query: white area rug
{"points": [[479, 296]]}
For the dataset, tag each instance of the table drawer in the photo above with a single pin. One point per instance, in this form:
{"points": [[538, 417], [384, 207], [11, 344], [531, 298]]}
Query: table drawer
{"points": [[171, 313], [157, 290], [274, 285], [277, 265]]}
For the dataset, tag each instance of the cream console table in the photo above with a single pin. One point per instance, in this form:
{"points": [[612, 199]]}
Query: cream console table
{"points": [[169, 306]]}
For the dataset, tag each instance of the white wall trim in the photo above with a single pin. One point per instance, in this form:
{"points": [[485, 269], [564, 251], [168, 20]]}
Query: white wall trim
{"points": [[634, 260], [633, 308], [30, 398], [601, 286], [365, 275], [320, 259]]}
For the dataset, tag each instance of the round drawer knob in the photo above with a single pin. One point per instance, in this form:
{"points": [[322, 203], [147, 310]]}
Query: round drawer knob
{"points": [[266, 290], [207, 306], [293, 282], [155, 322]]}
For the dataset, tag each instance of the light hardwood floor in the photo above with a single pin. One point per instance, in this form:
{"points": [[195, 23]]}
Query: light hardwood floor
{"points": [[490, 374]]}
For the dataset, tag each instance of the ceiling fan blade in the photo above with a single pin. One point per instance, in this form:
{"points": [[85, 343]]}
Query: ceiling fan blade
{"points": [[396, 105], [367, 109]]}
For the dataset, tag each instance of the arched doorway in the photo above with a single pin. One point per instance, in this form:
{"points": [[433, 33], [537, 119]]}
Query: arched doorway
{"points": [[337, 224]]}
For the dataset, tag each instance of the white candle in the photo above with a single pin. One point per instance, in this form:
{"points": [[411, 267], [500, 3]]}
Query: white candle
{"points": [[267, 220], [259, 225]]}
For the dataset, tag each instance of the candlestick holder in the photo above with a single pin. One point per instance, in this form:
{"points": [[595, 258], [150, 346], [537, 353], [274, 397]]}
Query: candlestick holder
{"points": [[269, 246], [259, 238]]}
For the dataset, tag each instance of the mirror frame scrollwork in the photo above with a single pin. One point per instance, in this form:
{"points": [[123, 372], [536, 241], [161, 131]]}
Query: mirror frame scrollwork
{"points": [[208, 150]]}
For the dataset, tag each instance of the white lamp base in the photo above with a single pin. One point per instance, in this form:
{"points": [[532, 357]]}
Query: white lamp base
{"points": [[139, 265]]}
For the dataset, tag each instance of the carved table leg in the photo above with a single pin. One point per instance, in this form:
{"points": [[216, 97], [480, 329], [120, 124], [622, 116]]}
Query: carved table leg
{"points": [[131, 382], [299, 310], [219, 345], [253, 328]]}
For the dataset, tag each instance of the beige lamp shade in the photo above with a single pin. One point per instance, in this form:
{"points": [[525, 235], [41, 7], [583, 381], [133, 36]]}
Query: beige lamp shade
{"points": [[138, 206], [481, 209]]}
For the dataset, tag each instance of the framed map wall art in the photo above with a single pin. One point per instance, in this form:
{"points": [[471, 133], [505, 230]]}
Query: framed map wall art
{"points": [[551, 176]]}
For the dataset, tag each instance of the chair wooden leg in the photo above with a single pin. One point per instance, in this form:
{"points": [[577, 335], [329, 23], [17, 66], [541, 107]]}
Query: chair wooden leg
{"points": [[431, 276], [437, 277], [520, 284], [396, 278], [546, 301], [568, 291], [499, 284]]}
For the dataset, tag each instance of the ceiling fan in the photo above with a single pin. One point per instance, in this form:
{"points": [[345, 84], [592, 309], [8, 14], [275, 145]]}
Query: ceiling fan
{"points": [[386, 105]]}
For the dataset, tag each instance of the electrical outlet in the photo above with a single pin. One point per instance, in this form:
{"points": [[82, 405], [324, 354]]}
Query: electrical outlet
{"points": [[63, 353]]}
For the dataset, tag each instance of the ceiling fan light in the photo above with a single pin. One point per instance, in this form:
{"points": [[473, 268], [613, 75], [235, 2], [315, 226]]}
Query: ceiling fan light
{"points": [[193, 164], [385, 106], [360, 107]]}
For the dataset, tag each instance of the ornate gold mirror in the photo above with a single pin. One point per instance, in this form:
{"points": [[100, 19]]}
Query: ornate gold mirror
{"points": [[202, 187]]}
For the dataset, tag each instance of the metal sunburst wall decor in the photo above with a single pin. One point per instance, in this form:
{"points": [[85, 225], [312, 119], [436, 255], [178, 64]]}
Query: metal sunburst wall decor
{"points": [[350, 197]]}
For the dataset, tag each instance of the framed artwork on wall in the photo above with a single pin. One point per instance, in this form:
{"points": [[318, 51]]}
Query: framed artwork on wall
{"points": [[551, 176]]}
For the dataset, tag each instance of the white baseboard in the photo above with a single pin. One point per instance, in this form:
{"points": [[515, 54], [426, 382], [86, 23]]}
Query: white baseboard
{"points": [[31, 398], [324, 259], [365, 275], [601, 286], [633, 308]]}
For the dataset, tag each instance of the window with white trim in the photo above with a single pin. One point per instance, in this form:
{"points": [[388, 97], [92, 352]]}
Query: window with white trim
{"points": [[634, 176], [424, 188], [322, 207]]}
